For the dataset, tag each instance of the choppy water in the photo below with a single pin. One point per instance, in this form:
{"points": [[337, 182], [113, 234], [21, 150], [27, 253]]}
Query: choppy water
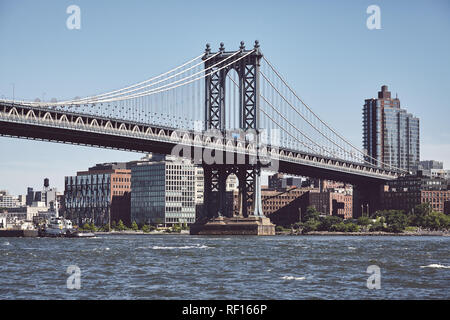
{"points": [[193, 267]]}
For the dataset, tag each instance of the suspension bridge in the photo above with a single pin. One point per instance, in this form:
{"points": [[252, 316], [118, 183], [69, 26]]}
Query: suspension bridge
{"points": [[229, 111]]}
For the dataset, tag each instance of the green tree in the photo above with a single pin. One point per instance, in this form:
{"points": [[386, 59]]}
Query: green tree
{"points": [[327, 221], [351, 227], [364, 221], [311, 214], [345, 227], [176, 228], [418, 215], [436, 221], [145, 228], [377, 226], [310, 225], [121, 226], [423, 209], [339, 227], [396, 221], [134, 226]]}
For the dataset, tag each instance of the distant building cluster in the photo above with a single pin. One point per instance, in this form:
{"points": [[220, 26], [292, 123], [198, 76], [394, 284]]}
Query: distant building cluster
{"points": [[434, 169], [10, 201], [25, 211]]}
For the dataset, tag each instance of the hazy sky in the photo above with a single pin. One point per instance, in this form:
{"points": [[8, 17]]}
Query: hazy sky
{"points": [[323, 48]]}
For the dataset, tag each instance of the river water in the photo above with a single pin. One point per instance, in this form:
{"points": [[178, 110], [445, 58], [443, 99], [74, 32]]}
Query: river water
{"points": [[202, 267]]}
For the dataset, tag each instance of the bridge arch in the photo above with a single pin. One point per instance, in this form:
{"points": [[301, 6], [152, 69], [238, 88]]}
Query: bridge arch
{"points": [[48, 116], [13, 112], [109, 125], [136, 129], [149, 131], [123, 127], [30, 113], [197, 139], [218, 142], [186, 138], [174, 136], [79, 120], [63, 118]]}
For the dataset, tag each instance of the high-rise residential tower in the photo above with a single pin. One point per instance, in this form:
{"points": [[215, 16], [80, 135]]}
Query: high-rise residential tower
{"points": [[390, 134]]}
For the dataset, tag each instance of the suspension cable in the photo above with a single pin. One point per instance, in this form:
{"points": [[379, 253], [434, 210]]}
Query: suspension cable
{"points": [[177, 81], [290, 123], [31, 103], [111, 95], [323, 122], [155, 91], [271, 105], [301, 115]]}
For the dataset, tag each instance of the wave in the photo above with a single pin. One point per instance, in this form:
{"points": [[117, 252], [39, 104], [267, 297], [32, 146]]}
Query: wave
{"points": [[435, 265], [178, 248], [100, 249], [293, 278]]}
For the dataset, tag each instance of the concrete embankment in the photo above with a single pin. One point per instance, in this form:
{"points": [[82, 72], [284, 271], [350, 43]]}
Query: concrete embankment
{"points": [[377, 233], [128, 232], [19, 233]]}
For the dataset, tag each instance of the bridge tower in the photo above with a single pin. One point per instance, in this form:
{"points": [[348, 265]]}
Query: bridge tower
{"points": [[248, 172]]}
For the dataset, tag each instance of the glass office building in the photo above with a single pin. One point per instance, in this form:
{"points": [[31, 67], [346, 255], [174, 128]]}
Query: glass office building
{"points": [[163, 192], [390, 134]]}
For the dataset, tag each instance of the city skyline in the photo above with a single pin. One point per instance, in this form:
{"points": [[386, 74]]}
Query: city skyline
{"points": [[243, 152], [337, 91]]}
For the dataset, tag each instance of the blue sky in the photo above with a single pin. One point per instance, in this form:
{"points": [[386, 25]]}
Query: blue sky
{"points": [[323, 48]]}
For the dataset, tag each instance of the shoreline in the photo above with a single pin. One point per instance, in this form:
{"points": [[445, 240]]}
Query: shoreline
{"points": [[21, 234], [312, 233], [128, 232], [372, 234]]}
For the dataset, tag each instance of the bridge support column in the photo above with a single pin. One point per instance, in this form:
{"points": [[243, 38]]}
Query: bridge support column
{"points": [[250, 219], [218, 216]]}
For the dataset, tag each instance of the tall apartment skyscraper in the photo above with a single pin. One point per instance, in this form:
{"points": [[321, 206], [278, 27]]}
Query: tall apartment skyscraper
{"points": [[390, 134]]}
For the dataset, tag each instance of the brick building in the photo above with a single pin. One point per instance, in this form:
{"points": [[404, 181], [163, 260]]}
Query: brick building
{"points": [[91, 195], [332, 203], [407, 192]]}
